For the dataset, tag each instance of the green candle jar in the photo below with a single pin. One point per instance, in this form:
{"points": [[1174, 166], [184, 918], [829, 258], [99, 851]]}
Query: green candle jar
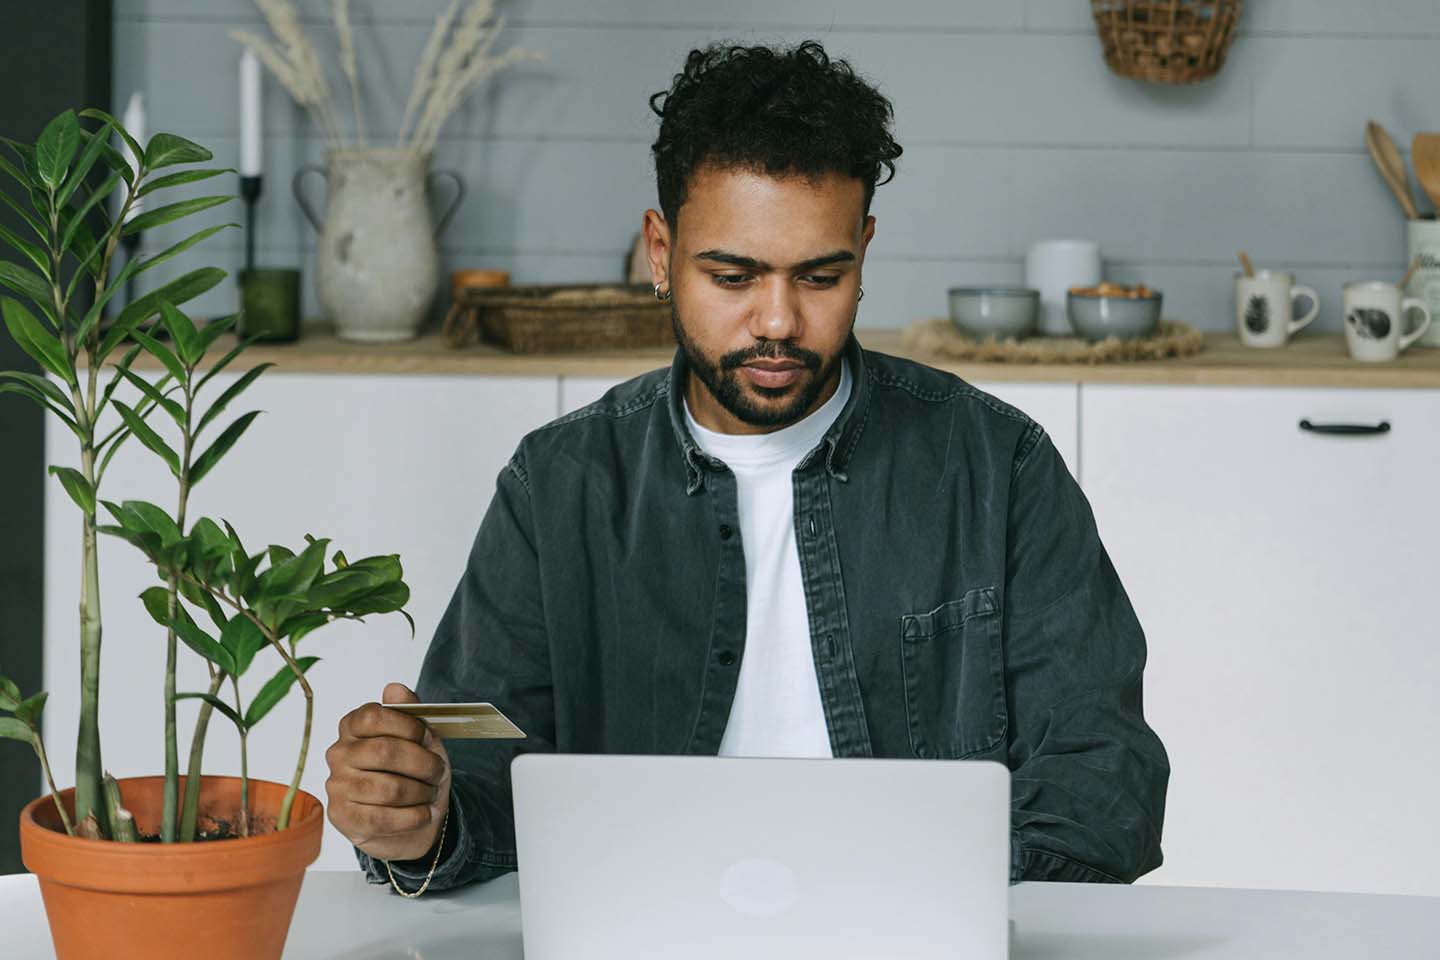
{"points": [[270, 303]]}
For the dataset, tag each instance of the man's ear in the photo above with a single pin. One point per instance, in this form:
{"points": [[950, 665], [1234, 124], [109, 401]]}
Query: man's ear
{"points": [[657, 246]]}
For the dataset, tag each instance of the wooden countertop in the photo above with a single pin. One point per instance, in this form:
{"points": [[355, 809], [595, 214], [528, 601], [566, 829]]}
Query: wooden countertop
{"points": [[1318, 360]]}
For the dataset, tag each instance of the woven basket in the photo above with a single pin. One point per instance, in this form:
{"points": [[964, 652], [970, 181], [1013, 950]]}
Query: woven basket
{"points": [[1166, 41], [553, 318]]}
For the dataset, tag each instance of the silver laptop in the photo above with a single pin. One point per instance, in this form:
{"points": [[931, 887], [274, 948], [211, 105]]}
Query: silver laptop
{"points": [[643, 858]]}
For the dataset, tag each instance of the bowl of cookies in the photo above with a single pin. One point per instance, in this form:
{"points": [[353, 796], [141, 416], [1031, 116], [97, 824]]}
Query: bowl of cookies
{"points": [[1114, 310]]}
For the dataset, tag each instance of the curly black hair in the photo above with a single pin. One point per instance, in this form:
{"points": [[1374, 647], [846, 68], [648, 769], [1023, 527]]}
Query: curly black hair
{"points": [[779, 112]]}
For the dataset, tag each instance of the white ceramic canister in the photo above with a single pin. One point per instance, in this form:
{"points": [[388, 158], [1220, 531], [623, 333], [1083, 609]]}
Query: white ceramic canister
{"points": [[1053, 267], [1423, 238]]}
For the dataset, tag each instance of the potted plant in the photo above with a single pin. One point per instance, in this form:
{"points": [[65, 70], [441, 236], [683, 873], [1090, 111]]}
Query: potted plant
{"points": [[229, 853]]}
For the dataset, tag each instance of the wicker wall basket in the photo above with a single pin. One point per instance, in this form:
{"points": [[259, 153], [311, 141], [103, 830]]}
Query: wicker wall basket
{"points": [[555, 318], [1166, 41]]}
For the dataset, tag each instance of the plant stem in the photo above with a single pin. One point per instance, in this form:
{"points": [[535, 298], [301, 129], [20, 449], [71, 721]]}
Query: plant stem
{"points": [[171, 802], [244, 767], [39, 746], [88, 768], [189, 811], [89, 797], [274, 641]]}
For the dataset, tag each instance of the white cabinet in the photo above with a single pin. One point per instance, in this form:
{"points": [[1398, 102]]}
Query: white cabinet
{"points": [[1286, 581], [1053, 405], [380, 464]]}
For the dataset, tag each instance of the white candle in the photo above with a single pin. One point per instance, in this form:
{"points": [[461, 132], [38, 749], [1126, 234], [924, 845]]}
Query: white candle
{"points": [[133, 121], [249, 114]]}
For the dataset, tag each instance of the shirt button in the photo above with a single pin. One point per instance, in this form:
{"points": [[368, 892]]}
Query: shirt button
{"points": [[725, 658], [725, 531]]}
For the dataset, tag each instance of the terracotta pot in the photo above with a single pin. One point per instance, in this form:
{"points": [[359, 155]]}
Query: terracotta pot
{"points": [[216, 899]]}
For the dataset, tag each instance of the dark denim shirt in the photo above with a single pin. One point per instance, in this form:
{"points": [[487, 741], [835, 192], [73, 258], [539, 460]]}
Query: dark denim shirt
{"points": [[961, 606]]}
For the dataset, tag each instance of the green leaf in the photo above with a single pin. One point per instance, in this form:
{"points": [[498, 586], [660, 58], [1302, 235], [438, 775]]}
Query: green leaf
{"points": [[298, 626], [157, 604], [28, 391], [41, 385], [28, 711], [172, 407], [94, 147], [149, 437], [177, 291], [275, 689], [182, 332], [56, 148], [33, 252], [123, 365], [387, 599], [220, 447], [177, 179], [231, 392], [179, 248], [94, 113], [291, 577], [218, 704], [35, 340], [201, 642], [77, 486], [162, 353], [156, 519], [14, 205], [385, 569], [211, 540], [340, 561], [170, 213], [225, 360], [13, 729], [77, 219], [9, 694], [334, 590], [212, 331], [243, 639], [201, 598], [26, 282], [166, 149]]}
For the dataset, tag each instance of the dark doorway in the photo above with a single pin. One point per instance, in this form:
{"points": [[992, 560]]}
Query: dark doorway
{"points": [[53, 55]]}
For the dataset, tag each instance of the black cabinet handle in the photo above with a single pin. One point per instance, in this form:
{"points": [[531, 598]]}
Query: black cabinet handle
{"points": [[1347, 429]]}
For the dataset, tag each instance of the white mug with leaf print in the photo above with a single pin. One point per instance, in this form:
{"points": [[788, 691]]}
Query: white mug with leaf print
{"points": [[1375, 313], [1265, 308]]}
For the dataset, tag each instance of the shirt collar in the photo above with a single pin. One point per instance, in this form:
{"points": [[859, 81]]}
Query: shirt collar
{"points": [[838, 443]]}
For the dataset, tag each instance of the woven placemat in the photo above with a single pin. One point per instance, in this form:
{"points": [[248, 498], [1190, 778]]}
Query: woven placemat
{"points": [[938, 336]]}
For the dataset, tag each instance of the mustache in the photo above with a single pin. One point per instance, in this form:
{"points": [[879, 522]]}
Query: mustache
{"points": [[771, 350]]}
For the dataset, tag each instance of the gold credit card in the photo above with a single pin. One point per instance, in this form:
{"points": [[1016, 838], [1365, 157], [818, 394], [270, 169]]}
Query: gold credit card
{"points": [[463, 721]]}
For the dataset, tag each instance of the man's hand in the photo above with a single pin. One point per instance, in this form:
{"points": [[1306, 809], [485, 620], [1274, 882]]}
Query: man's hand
{"points": [[389, 785]]}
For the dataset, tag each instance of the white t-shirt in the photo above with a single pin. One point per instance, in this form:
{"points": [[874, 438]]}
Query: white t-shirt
{"points": [[777, 710]]}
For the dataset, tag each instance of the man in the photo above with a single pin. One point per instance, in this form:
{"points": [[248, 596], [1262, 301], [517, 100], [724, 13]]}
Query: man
{"points": [[782, 545]]}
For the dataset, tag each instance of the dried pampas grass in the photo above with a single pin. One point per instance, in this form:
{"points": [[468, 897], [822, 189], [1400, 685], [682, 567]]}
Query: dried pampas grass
{"points": [[456, 59]]}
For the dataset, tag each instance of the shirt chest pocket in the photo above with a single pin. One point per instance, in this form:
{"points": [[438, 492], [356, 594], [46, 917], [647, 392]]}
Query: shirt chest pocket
{"points": [[954, 677]]}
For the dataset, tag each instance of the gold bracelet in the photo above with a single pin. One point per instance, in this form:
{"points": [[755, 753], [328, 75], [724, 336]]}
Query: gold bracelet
{"points": [[440, 845]]}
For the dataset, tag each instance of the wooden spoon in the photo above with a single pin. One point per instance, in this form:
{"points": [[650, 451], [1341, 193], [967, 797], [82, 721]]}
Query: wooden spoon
{"points": [[1391, 166], [1245, 262], [1425, 154]]}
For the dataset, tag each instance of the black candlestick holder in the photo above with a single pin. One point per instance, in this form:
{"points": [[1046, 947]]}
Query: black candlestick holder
{"points": [[250, 192]]}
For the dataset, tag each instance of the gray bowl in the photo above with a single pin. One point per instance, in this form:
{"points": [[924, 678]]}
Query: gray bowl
{"points": [[995, 312], [1125, 318]]}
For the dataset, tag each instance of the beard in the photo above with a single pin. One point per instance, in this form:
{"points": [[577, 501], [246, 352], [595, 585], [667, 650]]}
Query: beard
{"points": [[722, 378]]}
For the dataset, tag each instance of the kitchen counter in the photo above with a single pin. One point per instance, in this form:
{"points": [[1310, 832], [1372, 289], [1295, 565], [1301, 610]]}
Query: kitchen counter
{"points": [[1318, 360]]}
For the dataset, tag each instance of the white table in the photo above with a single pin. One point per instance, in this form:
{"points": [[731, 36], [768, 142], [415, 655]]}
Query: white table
{"points": [[340, 917]]}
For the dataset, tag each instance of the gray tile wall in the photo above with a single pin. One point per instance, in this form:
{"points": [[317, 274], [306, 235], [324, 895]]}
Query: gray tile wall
{"points": [[1013, 131]]}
